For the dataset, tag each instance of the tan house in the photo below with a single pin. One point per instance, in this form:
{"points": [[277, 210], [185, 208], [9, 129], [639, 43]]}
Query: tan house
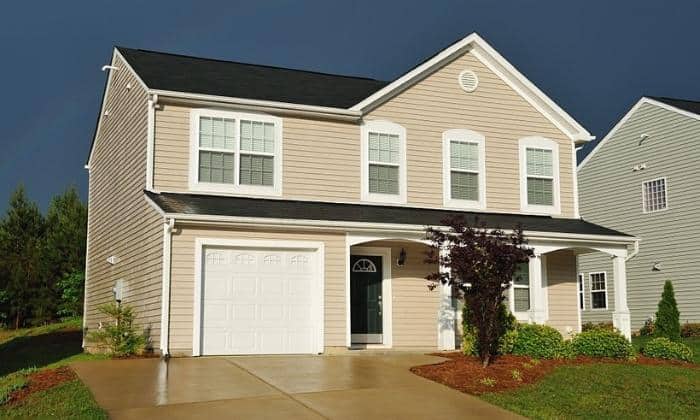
{"points": [[247, 209]]}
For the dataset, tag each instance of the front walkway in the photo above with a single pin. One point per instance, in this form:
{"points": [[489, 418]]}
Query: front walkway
{"points": [[277, 387]]}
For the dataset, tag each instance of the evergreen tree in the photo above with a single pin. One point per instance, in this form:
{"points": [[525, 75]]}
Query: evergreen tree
{"points": [[667, 322]]}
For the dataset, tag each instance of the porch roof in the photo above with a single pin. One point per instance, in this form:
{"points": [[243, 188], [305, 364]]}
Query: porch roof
{"points": [[217, 206]]}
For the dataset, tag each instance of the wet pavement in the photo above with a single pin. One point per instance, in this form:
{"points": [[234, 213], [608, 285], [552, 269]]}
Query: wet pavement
{"points": [[279, 387]]}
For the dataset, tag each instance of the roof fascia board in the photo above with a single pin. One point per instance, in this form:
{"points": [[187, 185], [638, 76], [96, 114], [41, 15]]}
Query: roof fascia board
{"points": [[506, 71], [627, 116]]}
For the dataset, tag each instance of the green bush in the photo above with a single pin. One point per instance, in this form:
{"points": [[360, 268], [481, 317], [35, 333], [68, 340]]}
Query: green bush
{"points": [[119, 337], [667, 316], [602, 343], [648, 328], [541, 341], [588, 326], [663, 348], [690, 329], [508, 325]]}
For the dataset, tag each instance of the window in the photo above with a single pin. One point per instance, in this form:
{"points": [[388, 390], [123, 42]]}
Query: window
{"points": [[383, 162], [599, 292], [521, 288], [235, 152], [654, 195], [581, 298], [539, 172], [464, 173]]}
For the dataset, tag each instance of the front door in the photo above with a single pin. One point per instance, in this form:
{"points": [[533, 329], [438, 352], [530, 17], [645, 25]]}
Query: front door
{"points": [[366, 299]]}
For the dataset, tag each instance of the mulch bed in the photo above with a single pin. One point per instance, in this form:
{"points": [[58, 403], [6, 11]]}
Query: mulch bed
{"points": [[466, 374], [40, 381]]}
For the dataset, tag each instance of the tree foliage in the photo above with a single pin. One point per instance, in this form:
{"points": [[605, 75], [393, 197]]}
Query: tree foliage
{"points": [[481, 262], [118, 337], [668, 322]]}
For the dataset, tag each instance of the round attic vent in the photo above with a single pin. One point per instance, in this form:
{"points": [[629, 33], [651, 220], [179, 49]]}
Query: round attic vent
{"points": [[468, 80]]}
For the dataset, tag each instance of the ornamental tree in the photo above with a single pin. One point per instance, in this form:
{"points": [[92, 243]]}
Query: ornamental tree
{"points": [[480, 262], [667, 322]]}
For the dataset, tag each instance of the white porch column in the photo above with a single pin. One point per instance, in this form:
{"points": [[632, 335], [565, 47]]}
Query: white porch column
{"points": [[538, 311], [446, 314], [621, 316]]}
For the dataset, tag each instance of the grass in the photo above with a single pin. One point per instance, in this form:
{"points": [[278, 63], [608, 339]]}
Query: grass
{"points": [[26, 350], [692, 342], [604, 390]]}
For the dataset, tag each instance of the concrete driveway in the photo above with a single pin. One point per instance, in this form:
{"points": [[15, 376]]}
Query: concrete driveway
{"points": [[277, 387]]}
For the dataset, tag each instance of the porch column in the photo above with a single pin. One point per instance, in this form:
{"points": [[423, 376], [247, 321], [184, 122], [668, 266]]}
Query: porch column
{"points": [[621, 316], [446, 314], [538, 312]]}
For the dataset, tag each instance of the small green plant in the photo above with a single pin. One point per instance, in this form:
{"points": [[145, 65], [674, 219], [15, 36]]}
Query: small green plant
{"points": [[490, 382], [690, 330], [535, 362], [588, 326], [663, 348], [539, 341], [602, 343], [118, 337], [517, 375], [648, 328], [667, 316], [527, 365]]}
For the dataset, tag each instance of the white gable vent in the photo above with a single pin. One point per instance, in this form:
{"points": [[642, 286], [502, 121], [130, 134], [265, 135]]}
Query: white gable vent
{"points": [[468, 80]]}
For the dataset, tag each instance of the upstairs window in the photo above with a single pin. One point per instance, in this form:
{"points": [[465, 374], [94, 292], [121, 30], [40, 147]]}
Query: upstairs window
{"points": [[383, 162], [599, 291], [654, 195], [235, 152], [539, 175], [464, 173]]}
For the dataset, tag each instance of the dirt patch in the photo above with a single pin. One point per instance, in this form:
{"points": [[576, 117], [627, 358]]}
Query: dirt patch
{"points": [[42, 380], [466, 374]]}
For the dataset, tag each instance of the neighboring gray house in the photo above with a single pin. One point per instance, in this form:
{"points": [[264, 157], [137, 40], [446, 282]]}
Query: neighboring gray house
{"points": [[643, 179]]}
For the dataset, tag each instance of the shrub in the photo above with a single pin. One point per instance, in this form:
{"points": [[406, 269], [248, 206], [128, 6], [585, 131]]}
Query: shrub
{"points": [[648, 328], [507, 323], [540, 341], [667, 316], [602, 343], [119, 337], [663, 348], [490, 382], [588, 326], [690, 330]]}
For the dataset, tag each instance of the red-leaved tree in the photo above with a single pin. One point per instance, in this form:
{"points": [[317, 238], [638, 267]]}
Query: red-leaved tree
{"points": [[480, 262]]}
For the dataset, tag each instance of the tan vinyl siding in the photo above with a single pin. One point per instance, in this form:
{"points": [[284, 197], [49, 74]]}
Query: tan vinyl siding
{"points": [[561, 292], [182, 279], [321, 159], [120, 222], [611, 195]]}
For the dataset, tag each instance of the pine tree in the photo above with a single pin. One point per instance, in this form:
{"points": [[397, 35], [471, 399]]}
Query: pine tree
{"points": [[667, 322]]}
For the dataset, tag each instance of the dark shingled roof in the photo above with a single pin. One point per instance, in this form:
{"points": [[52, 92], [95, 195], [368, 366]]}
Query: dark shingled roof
{"points": [[250, 81], [684, 104], [195, 204]]}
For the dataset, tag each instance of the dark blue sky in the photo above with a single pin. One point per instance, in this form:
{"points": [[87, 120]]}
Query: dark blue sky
{"points": [[594, 58]]}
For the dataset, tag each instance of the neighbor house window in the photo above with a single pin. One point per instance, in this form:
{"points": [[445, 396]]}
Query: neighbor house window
{"points": [[383, 162], [599, 291], [581, 295], [539, 173], [521, 288], [235, 152], [654, 195], [464, 174]]}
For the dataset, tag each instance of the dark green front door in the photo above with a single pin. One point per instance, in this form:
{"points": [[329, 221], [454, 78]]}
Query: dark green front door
{"points": [[366, 299]]}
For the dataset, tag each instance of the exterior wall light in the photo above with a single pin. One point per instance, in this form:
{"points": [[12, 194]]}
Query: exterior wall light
{"points": [[401, 261]]}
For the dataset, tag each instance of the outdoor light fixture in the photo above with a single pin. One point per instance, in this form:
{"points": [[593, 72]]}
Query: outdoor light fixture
{"points": [[402, 258]]}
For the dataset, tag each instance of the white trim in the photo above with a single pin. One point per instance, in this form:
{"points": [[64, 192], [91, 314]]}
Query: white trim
{"points": [[539, 143], [463, 135], [644, 198], [150, 139], [627, 116], [317, 311], [387, 297], [581, 293], [236, 188], [384, 127], [165, 292], [485, 53], [591, 291], [574, 177]]}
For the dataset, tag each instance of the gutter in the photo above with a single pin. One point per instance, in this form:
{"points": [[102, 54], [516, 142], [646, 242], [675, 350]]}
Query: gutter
{"points": [[168, 225], [635, 251]]}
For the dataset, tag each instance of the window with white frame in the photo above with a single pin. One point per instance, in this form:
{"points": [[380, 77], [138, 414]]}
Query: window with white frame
{"points": [[539, 175], [464, 173], [521, 288], [599, 291], [383, 162], [235, 152], [654, 195], [581, 295]]}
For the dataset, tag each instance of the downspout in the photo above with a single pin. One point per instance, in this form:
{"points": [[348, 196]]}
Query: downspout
{"points": [[165, 294], [150, 139], [635, 251]]}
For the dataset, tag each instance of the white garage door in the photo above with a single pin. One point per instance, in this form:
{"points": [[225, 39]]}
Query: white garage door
{"points": [[259, 301]]}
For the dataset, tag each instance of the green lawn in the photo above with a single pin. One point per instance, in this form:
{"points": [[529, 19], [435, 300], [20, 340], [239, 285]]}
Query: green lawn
{"points": [[25, 350]]}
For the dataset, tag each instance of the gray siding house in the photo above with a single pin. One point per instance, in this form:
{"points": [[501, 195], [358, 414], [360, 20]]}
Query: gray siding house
{"points": [[643, 178]]}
